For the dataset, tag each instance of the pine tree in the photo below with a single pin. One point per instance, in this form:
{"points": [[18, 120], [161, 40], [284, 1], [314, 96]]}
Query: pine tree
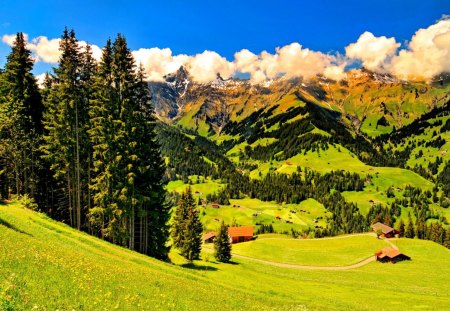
{"points": [[410, 229], [401, 228], [101, 135], [187, 228], [179, 219], [447, 238], [66, 124], [192, 245], [127, 181], [21, 122], [222, 244]]}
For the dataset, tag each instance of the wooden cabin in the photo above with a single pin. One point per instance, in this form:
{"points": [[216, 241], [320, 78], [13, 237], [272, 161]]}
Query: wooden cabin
{"points": [[215, 205], [240, 234], [390, 254], [386, 231], [209, 237]]}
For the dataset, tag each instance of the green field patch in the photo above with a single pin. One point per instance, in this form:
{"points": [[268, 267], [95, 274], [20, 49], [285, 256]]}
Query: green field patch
{"points": [[207, 186], [340, 251]]}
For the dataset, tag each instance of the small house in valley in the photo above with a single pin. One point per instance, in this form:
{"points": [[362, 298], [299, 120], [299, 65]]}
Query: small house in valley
{"points": [[240, 234], [209, 237], [390, 254], [215, 205], [386, 231]]}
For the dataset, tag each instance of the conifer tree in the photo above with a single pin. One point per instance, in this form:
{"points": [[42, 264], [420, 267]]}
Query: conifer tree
{"points": [[410, 229], [401, 228], [179, 219], [127, 182], [21, 122], [192, 245], [222, 244], [187, 228], [66, 124], [447, 238]]}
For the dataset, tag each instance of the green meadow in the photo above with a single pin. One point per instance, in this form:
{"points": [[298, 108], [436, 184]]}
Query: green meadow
{"points": [[45, 265]]}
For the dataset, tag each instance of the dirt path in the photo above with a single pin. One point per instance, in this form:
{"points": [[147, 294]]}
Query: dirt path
{"points": [[328, 238], [293, 266]]}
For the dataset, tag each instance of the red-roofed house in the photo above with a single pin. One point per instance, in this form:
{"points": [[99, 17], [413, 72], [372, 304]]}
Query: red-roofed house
{"points": [[389, 254], [386, 231], [209, 237], [240, 234], [215, 205]]}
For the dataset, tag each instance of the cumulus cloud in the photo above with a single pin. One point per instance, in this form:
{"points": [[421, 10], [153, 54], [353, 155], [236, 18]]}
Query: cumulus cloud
{"points": [[427, 54], [373, 51], [159, 62], [290, 60], [40, 80]]}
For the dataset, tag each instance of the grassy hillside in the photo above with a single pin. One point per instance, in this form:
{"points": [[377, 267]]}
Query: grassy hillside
{"points": [[338, 251], [46, 265]]}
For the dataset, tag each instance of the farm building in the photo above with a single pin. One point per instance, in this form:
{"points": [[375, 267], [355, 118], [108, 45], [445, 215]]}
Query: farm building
{"points": [[389, 254], [386, 231], [215, 205], [209, 237], [240, 234]]}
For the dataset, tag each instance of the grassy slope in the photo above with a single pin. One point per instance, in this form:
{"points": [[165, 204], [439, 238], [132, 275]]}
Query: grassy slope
{"points": [[46, 265], [341, 251]]}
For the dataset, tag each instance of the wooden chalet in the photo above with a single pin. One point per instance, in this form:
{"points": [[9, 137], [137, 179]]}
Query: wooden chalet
{"points": [[386, 231], [390, 254], [209, 237], [215, 205], [240, 234]]}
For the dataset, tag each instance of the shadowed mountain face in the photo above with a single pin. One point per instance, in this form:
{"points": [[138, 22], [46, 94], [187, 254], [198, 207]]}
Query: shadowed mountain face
{"points": [[362, 99]]}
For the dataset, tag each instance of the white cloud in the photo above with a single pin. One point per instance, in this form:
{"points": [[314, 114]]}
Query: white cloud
{"points": [[40, 80], [373, 51], [335, 72], [205, 66], [427, 55], [44, 49], [159, 62]]}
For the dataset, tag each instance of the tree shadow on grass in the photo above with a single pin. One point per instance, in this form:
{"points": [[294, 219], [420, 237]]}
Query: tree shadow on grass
{"points": [[193, 266], [234, 263], [12, 227]]}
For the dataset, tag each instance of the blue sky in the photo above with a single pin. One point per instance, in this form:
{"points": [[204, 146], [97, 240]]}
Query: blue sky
{"points": [[223, 26]]}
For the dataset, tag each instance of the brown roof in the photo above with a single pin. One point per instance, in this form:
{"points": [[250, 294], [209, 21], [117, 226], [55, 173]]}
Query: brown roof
{"points": [[385, 229], [240, 231], [209, 235], [388, 252]]}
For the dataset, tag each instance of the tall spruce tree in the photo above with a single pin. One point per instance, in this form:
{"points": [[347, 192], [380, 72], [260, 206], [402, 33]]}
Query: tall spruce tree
{"points": [[127, 182], [181, 214], [66, 124], [21, 122], [222, 244], [187, 228]]}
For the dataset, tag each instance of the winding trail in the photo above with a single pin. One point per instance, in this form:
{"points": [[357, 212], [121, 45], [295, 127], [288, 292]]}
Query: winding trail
{"points": [[307, 267], [294, 266]]}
